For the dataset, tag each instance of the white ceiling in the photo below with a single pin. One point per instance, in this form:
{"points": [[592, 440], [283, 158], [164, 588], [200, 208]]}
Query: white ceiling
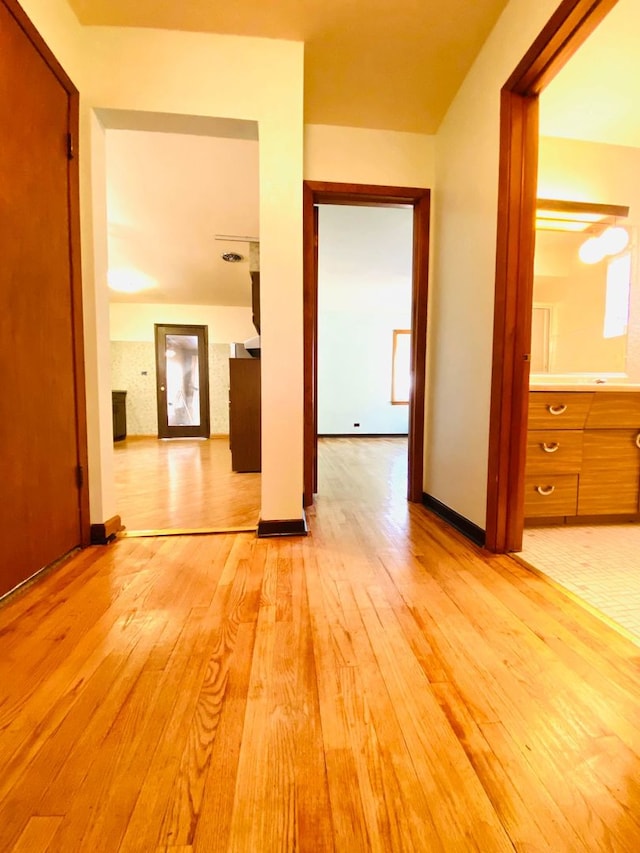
{"points": [[169, 197], [384, 64], [596, 96]]}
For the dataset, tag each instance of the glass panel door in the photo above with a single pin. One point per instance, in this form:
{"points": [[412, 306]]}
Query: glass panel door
{"points": [[182, 381]]}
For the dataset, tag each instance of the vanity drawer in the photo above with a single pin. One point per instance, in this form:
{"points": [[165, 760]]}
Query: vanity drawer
{"points": [[553, 495], [554, 450], [614, 409], [559, 409]]}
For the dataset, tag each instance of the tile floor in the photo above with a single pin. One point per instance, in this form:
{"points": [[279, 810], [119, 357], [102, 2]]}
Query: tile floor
{"points": [[601, 564]]}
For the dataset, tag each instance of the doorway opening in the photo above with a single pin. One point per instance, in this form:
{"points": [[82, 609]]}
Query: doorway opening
{"points": [[566, 31], [182, 209], [417, 199], [364, 309]]}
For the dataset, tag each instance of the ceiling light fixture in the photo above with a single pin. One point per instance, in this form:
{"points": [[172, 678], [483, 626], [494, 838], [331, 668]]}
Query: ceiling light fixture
{"points": [[232, 257]]}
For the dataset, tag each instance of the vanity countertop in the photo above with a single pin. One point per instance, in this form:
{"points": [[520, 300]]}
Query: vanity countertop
{"points": [[549, 384]]}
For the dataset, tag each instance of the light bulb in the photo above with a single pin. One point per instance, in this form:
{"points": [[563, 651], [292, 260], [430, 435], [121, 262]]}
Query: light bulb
{"points": [[592, 250], [615, 240]]}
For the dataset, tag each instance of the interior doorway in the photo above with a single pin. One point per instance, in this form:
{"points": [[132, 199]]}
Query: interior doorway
{"points": [[183, 251], [364, 311], [315, 194], [569, 27], [182, 381]]}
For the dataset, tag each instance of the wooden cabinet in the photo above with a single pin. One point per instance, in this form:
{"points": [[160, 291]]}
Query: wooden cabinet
{"points": [[119, 409], [244, 414], [610, 475], [583, 454]]}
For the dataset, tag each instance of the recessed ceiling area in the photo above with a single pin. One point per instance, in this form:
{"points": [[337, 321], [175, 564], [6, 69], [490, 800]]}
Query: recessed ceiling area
{"points": [[170, 196], [368, 63]]}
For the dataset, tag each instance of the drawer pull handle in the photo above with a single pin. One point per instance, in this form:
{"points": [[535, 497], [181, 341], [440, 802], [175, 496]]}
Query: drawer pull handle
{"points": [[558, 410], [638, 440], [545, 490], [550, 448]]}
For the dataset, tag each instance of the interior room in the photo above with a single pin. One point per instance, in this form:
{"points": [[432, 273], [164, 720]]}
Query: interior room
{"points": [[364, 330], [183, 252], [586, 325]]}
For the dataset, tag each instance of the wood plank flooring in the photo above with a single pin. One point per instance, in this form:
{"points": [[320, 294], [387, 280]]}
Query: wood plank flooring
{"points": [[380, 685], [182, 484]]}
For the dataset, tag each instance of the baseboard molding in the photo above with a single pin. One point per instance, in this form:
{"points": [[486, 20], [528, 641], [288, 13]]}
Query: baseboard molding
{"points": [[362, 435], [476, 534], [102, 534], [283, 527]]}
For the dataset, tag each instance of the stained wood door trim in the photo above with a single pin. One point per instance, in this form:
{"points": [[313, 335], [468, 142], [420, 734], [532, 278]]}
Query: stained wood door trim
{"points": [[568, 28], [318, 192]]}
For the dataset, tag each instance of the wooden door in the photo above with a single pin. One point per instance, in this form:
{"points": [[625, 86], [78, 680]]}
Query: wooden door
{"points": [[42, 420], [182, 381]]}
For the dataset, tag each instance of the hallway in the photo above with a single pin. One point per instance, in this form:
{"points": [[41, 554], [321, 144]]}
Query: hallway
{"points": [[378, 685]]}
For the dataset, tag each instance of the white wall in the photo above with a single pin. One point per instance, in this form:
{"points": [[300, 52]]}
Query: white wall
{"points": [[359, 155], [203, 75], [135, 322], [133, 362], [463, 280], [364, 293]]}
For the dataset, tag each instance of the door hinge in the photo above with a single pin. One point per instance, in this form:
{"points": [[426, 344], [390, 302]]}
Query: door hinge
{"points": [[70, 152], [80, 476]]}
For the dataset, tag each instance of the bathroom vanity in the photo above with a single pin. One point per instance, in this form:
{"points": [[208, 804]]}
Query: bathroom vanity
{"points": [[583, 452]]}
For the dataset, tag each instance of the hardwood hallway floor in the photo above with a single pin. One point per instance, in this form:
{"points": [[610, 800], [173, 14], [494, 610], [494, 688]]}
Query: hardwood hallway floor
{"points": [[380, 685], [183, 484]]}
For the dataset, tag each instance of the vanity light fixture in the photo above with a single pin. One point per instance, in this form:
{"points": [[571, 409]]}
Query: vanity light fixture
{"points": [[599, 220], [612, 241], [560, 215]]}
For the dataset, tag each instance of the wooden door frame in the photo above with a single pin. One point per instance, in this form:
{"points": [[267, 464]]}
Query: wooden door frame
{"points": [[324, 192], [566, 31], [73, 200]]}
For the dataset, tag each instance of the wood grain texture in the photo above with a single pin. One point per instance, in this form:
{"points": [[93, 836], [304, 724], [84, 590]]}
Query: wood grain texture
{"points": [[378, 685], [610, 478], [182, 485], [556, 451], [571, 409]]}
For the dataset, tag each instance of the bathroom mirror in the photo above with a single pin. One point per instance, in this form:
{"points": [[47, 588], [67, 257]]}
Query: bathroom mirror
{"points": [[586, 316]]}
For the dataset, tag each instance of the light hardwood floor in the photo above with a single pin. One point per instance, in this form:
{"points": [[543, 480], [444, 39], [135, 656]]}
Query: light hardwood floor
{"points": [[183, 483], [379, 685]]}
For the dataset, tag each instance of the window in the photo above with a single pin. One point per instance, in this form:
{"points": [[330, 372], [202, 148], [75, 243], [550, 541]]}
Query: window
{"points": [[616, 316], [401, 367]]}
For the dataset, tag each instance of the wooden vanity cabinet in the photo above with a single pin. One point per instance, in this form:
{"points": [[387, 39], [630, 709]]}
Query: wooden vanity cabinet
{"points": [[610, 475], [583, 454]]}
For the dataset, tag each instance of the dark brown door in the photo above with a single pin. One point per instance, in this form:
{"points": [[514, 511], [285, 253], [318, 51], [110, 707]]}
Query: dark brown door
{"points": [[182, 377], [41, 418]]}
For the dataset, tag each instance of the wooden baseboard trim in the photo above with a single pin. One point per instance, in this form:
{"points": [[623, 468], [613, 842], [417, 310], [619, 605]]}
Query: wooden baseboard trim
{"points": [[283, 527], [186, 531], [476, 534], [102, 534]]}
